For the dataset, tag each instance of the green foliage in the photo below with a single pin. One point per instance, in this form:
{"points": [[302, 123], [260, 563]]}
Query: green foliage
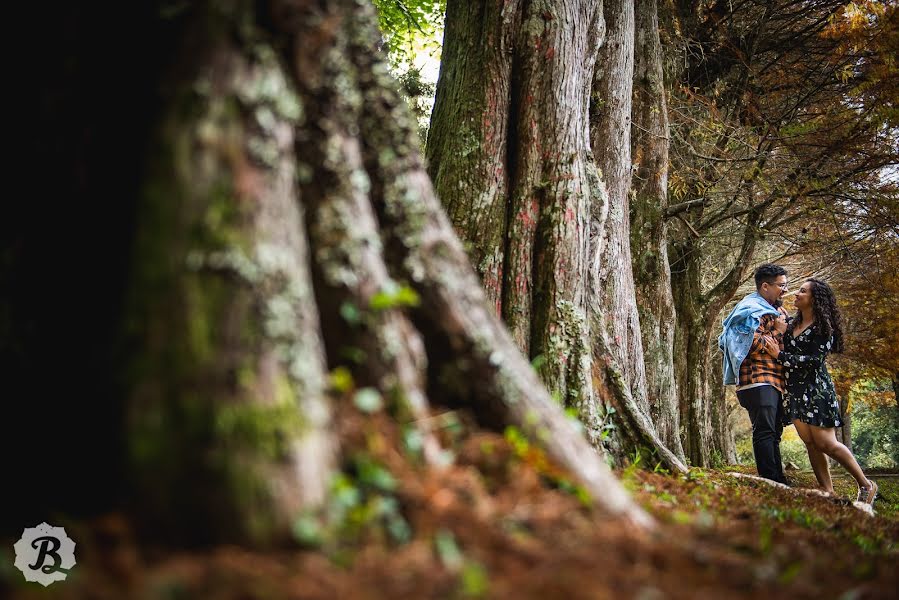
{"points": [[608, 426], [406, 23], [447, 550], [413, 441], [875, 435], [717, 459], [796, 515], [413, 33], [368, 400], [517, 440], [373, 474], [362, 502], [474, 580], [578, 491], [473, 576], [341, 380], [350, 313], [395, 296], [791, 450]]}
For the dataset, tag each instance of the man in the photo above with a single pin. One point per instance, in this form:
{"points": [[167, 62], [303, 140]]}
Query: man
{"points": [[758, 377]]}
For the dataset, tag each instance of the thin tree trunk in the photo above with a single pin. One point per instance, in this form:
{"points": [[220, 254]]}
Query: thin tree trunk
{"points": [[723, 444], [846, 417], [652, 275]]}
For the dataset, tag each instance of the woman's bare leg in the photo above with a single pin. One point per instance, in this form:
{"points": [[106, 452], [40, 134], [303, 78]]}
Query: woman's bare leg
{"points": [[817, 458], [826, 440]]}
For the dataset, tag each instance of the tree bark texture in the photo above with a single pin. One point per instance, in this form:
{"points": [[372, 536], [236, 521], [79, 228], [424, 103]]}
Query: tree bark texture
{"points": [[649, 244], [616, 322], [691, 341], [468, 144], [510, 156], [229, 425], [610, 134]]}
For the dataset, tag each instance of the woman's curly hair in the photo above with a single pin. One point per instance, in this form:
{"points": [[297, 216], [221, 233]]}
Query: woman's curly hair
{"points": [[827, 313]]}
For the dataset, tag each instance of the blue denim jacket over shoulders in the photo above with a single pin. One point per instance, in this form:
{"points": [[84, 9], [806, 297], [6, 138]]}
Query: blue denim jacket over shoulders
{"points": [[739, 329]]}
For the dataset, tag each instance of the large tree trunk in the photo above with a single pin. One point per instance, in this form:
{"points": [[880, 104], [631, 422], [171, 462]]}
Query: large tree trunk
{"points": [[229, 430], [616, 321], [510, 157], [468, 147], [649, 245], [610, 130], [525, 126], [233, 330], [467, 345]]}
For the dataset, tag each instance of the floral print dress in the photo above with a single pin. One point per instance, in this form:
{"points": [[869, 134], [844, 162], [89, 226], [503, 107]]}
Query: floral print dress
{"points": [[809, 395]]}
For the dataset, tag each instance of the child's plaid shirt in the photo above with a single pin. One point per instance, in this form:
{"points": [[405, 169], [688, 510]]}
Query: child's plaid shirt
{"points": [[759, 366]]}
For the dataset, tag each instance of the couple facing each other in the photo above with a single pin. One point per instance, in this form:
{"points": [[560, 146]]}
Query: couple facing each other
{"points": [[778, 365]]}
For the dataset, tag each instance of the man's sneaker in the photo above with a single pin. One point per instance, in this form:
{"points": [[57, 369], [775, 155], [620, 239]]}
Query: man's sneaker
{"points": [[868, 494]]}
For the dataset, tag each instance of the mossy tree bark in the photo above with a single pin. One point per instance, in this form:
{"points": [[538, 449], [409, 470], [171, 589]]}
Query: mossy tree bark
{"points": [[288, 227], [616, 320], [228, 421], [509, 153], [649, 240]]}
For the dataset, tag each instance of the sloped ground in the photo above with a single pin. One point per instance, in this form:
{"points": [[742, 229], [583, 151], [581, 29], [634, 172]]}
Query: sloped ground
{"points": [[502, 523]]}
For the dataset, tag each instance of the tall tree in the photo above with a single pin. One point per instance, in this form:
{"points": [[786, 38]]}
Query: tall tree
{"points": [[616, 319], [510, 157], [649, 226]]}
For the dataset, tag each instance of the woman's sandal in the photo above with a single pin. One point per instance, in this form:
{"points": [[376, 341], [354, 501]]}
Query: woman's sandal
{"points": [[868, 494]]}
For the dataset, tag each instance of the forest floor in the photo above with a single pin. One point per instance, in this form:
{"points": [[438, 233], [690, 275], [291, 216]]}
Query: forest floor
{"points": [[501, 523]]}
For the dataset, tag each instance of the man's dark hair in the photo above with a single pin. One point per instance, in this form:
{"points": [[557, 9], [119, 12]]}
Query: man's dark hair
{"points": [[767, 273]]}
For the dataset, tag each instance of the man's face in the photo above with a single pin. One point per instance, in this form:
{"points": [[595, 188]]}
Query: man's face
{"points": [[772, 292]]}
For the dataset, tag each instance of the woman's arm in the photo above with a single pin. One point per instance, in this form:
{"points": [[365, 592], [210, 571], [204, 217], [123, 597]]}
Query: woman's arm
{"points": [[813, 360]]}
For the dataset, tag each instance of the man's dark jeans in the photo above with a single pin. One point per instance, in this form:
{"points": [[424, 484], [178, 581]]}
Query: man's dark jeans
{"points": [[765, 412]]}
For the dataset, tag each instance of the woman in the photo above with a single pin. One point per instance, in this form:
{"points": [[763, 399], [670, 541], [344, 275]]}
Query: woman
{"points": [[809, 398]]}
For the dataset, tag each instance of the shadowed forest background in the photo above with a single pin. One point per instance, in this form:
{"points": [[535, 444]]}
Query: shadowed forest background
{"points": [[341, 299]]}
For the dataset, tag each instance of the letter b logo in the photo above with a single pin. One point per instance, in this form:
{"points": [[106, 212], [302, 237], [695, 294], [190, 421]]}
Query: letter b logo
{"points": [[45, 554]]}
